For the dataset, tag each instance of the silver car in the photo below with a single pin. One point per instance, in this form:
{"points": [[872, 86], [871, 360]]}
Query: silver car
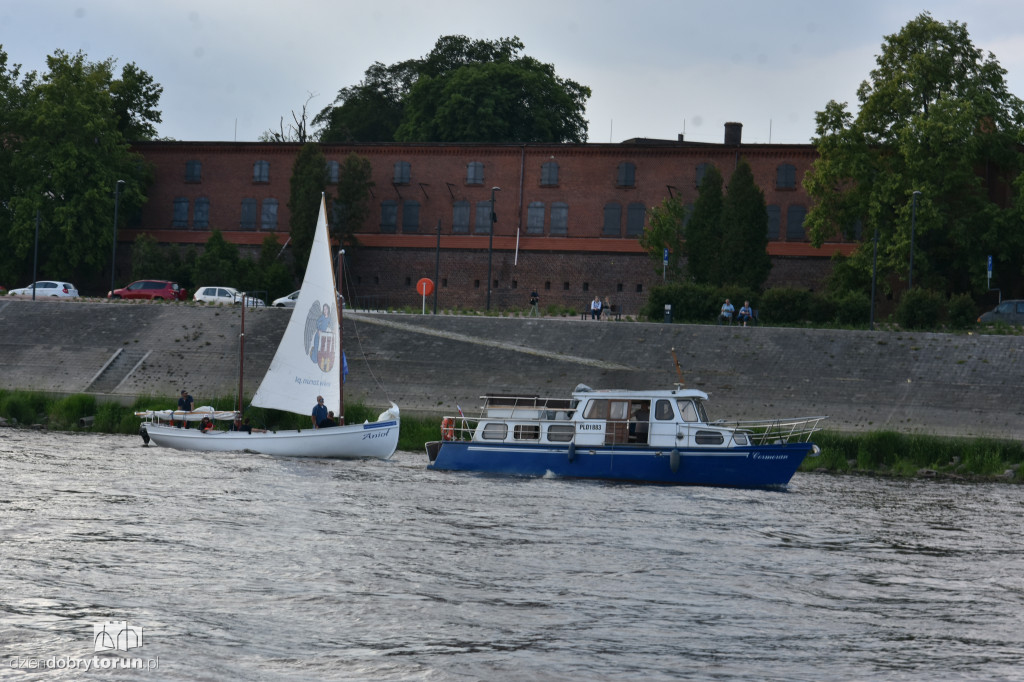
{"points": [[48, 288], [286, 301], [1007, 312]]}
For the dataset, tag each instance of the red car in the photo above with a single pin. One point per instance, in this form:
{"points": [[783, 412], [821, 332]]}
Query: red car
{"points": [[153, 289]]}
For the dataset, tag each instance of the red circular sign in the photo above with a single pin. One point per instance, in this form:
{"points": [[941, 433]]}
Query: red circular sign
{"points": [[425, 286]]}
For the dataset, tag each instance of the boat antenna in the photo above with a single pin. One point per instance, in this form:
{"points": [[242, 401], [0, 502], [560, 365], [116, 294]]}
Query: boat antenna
{"points": [[679, 370]]}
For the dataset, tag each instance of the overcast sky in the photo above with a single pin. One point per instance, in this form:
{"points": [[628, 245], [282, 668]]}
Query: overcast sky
{"points": [[657, 68]]}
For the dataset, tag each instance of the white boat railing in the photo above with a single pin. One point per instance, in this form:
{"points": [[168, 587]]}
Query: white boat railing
{"points": [[558, 427]]}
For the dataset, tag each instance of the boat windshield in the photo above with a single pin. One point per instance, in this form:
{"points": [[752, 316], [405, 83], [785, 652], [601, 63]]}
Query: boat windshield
{"points": [[692, 410]]}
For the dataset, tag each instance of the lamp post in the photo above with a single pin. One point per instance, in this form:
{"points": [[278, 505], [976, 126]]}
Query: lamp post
{"points": [[113, 254], [490, 247], [913, 220], [874, 275]]}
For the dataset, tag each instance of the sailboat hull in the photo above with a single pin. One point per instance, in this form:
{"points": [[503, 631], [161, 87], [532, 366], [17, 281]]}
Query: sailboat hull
{"points": [[376, 440]]}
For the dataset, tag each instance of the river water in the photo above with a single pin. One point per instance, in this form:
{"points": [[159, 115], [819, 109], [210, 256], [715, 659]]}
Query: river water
{"points": [[245, 567]]}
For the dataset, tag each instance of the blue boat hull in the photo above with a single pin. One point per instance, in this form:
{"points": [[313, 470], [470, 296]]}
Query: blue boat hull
{"points": [[762, 466]]}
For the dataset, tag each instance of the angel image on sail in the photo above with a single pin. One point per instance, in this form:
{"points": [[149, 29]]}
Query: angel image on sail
{"points": [[319, 338]]}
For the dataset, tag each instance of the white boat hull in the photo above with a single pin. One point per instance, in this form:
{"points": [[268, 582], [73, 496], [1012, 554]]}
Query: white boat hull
{"points": [[377, 440]]}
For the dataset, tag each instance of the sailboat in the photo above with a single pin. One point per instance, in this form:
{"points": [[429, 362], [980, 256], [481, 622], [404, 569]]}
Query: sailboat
{"points": [[309, 363]]}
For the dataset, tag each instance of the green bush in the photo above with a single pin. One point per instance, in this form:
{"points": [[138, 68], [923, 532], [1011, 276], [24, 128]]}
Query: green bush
{"points": [[963, 312], [786, 306], [850, 309], [920, 309]]}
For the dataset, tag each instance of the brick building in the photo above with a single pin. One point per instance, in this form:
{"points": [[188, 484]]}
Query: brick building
{"points": [[567, 215]]}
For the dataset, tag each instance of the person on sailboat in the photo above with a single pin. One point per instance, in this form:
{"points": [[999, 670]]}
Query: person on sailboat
{"points": [[319, 412], [185, 404]]}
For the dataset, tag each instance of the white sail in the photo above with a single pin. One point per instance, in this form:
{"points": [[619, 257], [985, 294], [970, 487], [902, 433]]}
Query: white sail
{"points": [[308, 360]]}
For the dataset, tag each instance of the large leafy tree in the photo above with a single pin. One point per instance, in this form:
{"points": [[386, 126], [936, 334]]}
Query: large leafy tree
{"points": [[743, 249], [65, 148], [463, 91], [666, 229], [935, 117]]}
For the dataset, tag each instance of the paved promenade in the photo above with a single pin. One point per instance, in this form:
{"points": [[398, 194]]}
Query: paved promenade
{"points": [[912, 382]]}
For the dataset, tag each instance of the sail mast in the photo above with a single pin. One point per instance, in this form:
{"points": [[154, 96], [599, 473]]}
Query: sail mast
{"points": [[339, 305], [241, 357]]}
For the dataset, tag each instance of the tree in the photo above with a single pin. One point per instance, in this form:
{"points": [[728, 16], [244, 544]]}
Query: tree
{"points": [[135, 98], [464, 90], [64, 150], [352, 207], [217, 263], [297, 131], [703, 239], [935, 117], [744, 232], [666, 229], [308, 184]]}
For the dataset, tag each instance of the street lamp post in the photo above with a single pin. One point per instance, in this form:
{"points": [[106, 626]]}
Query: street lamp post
{"points": [[490, 247], [113, 254], [913, 220]]}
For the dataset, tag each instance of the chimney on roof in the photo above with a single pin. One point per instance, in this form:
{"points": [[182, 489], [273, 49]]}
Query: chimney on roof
{"points": [[733, 134]]}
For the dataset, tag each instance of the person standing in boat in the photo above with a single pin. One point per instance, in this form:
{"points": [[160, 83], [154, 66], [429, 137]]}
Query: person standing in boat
{"points": [[185, 404], [319, 412]]}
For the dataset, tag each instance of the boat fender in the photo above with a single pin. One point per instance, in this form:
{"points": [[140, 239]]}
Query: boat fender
{"points": [[447, 428], [145, 435], [674, 460], [572, 451]]}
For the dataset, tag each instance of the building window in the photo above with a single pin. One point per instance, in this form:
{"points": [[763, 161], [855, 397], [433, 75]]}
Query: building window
{"points": [[261, 172], [702, 169], [612, 220], [333, 172], [411, 216], [785, 176], [249, 213], [586, 286], [565, 286], [483, 218], [460, 217], [627, 175], [403, 172], [180, 218], [795, 223], [474, 173], [268, 216], [535, 218], [549, 174], [635, 215], [201, 214], [193, 171], [774, 221], [388, 216], [559, 218]]}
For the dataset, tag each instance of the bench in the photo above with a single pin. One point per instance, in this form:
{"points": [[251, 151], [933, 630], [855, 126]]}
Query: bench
{"points": [[615, 311], [754, 318]]}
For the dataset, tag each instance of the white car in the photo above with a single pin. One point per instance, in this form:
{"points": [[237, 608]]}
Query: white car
{"points": [[251, 301], [217, 295], [48, 288], [286, 301]]}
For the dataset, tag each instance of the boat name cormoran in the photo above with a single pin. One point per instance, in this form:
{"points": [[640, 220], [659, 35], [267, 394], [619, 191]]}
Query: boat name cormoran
{"points": [[767, 456]]}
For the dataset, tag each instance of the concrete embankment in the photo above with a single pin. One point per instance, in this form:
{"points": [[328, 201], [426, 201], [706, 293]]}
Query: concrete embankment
{"points": [[912, 382]]}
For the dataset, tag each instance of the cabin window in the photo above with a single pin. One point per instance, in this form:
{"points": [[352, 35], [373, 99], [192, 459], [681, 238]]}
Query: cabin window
{"points": [[663, 410], [526, 432], [740, 438], [687, 410], [495, 431], [607, 409], [561, 433], [709, 438]]}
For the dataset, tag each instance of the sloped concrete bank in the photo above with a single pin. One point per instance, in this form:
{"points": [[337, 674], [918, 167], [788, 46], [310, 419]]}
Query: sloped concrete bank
{"points": [[912, 382]]}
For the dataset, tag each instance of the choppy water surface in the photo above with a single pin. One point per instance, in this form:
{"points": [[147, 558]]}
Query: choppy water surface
{"points": [[247, 567]]}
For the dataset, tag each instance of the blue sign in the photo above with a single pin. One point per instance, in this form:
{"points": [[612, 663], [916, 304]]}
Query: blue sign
{"points": [[665, 259], [990, 266]]}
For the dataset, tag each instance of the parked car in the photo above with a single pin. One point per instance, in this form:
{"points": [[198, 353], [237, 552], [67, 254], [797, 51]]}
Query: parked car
{"points": [[1007, 312], [217, 295], [152, 289], [252, 301], [286, 301], [48, 288]]}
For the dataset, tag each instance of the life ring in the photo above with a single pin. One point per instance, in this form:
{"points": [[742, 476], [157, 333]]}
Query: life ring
{"points": [[448, 428]]}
